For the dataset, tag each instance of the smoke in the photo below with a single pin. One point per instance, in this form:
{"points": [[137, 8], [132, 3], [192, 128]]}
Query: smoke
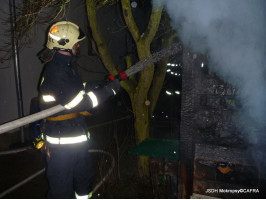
{"points": [[233, 33]]}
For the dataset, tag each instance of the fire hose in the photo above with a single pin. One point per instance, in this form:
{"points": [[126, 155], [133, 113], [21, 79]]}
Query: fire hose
{"points": [[139, 66], [11, 189], [2, 194]]}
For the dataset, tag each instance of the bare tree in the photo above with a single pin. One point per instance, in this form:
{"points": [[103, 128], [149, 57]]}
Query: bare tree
{"points": [[29, 13], [145, 90]]}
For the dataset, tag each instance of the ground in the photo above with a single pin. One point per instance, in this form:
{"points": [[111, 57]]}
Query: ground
{"points": [[115, 138], [123, 183], [16, 167]]}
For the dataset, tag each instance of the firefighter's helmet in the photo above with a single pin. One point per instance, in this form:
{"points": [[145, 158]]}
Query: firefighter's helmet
{"points": [[63, 35]]}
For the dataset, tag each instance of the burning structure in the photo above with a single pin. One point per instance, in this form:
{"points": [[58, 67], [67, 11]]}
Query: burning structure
{"points": [[213, 152], [223, 111]]}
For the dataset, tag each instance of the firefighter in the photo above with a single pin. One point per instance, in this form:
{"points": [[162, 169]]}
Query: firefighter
{"points": [[69, 165]]}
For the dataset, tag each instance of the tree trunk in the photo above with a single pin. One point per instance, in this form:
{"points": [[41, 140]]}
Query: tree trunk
{"points": [[137, 90], [141, 111], [142, 127]]}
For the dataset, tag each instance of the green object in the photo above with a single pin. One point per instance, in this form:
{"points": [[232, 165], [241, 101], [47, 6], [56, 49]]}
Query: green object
{"points": [[230, 102], [158, 148]]}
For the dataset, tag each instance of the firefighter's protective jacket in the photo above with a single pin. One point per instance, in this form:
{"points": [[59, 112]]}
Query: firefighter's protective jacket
{"points": [[61, 84]]}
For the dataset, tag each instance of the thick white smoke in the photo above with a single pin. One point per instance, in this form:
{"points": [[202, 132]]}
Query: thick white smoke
{"points": [[233, 33]]}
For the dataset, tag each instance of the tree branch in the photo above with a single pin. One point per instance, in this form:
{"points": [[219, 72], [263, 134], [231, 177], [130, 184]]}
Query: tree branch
{"points": [[101, 44], [132, 26], [153, 25], [96, 33]]}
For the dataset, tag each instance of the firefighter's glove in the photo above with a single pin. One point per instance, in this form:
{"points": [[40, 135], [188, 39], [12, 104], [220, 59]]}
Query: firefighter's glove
{"points": [[38, 143], [121, 76], [113, 86], [110, 78]]}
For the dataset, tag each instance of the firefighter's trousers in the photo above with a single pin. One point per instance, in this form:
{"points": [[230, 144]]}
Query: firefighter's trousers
{"points": [[69, 170]]}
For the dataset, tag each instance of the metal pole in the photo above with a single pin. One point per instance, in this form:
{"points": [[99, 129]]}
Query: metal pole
{"points": [[12, 9]]}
